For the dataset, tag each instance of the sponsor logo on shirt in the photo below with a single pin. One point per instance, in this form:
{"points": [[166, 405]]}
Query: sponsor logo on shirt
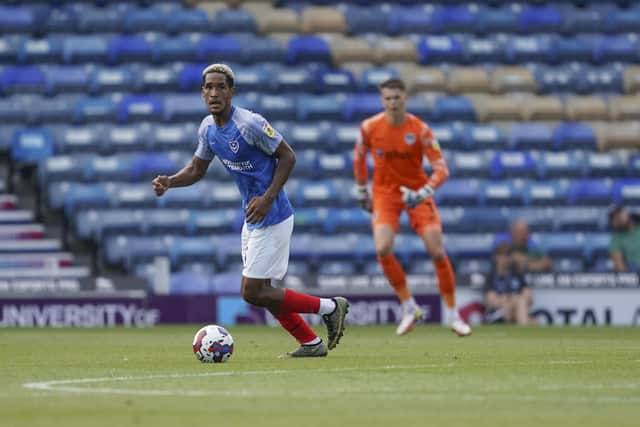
{"points": [[238, 166]]}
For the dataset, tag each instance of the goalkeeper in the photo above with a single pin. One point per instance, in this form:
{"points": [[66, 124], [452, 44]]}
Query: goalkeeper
{"points": [[398, 141]]}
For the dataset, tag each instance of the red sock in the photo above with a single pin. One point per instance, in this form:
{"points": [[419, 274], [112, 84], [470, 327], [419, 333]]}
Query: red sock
{"points": [[297, 327], [296, 302], [446, 281]]}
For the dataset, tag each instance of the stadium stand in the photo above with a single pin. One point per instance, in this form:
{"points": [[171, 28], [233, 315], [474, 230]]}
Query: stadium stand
{"points": [[535, 105]]}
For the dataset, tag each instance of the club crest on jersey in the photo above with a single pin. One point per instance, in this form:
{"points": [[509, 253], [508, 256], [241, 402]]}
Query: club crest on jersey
{"points": [[234, 146], [268, 130], [409, 138]]}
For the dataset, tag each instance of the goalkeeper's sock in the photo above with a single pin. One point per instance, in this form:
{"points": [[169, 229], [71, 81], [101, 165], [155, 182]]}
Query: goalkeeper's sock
{"points": [[446, 281], [298, 328], [409, 305], [296, 302], [395, 274]]}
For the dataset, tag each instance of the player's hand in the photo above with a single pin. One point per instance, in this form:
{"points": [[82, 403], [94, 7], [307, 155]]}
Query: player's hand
{"points": [[160, 184], [413, 198], [257, 209], [364, 199]]}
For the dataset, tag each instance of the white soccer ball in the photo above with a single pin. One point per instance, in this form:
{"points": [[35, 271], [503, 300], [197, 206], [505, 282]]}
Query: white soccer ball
{"points": [[213, 344]]}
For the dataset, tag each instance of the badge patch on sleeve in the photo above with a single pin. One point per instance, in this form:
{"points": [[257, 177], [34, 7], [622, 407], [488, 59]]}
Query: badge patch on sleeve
{"points": [[268, 130], [435, 145]]}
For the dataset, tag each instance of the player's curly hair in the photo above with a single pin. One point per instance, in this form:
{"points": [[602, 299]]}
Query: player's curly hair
{"points": [[222, 69]]}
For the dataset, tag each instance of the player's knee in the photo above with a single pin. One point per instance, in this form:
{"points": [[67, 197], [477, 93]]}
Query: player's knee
{"points": [[252, 294], [437, 253], [384, 250]]}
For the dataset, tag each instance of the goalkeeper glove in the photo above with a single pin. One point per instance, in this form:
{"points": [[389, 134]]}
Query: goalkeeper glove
{"points": [[363, 198], [413, 198]]}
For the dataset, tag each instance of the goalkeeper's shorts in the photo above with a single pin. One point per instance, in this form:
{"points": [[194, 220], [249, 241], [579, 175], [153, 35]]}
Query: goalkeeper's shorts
{"points": [[387, 210]]}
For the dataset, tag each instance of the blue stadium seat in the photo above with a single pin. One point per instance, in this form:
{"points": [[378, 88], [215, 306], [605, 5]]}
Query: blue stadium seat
{"points": [[298, 268], [568, 265], [576, 48], [362, 20], [21, 79], [234, 21], [112, 168], [140, 107], [40, 50], [78, 139], [193, 196], [143, 249], [307, 163], [337, 268], [62, 168], [111, 79], [590, 191], [17, 19], [541, 18], [91, 19], [185, 20], [474, 266], [225, 195], [334, 165], [92, 224], [598, 79], [166, 221], [596, 245], [9, 46], [145, 19], [372, 77], [561, 244], [190, 77], [220, 48], [180, 107], [173, 137], [513, 164], [83, 196], [94, 108], [501, 193], [616, 48], [449, 108], [634, 165], [603, 265], [305, 135], [253, 78], [80, 49], [360, 106], [583, 20], [449, 135], [292, 79], [312, 219], [458, 18], [623, 20], [276, 107], [627, 191], [575, 218], [30, 145], [482, 136], [316, 193], [136, 195], [539, 219], [345, 220], [545, 193], [482, 50], [476, 219], [529, 49], [401, 20], [124, 48], [148, 165], [604, 165], [320, 107], [491, 20], [334, 80], [421, 106], [307, 48], [459, 192], [66, 78], [463, 246], [552, 165], [156, 78], [470, 165], [204, 222], [60, 20], [530, 136], [434, 49], [190, 249], [190, 283], [175, 48], [553, 79], [570, 135], [262, 49]]}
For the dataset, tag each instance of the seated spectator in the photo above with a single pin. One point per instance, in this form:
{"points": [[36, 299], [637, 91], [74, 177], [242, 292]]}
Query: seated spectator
{"points": [[527, 256], [625, 243], [506, 293]]}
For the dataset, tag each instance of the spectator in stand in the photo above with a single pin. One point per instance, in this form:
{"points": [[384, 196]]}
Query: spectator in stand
{"points": [[528, 257], [625, 243], [507, 295]]}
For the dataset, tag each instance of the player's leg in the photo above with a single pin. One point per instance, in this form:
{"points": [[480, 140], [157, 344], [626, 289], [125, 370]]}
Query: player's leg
{"points": [[523, 301], [265, 254], [495, 304], [425, 220]]}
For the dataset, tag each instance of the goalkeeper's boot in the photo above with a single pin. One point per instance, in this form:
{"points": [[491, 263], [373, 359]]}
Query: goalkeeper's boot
{"points": [[313, 350], [409, 320], [335, 321], [460, 328]]}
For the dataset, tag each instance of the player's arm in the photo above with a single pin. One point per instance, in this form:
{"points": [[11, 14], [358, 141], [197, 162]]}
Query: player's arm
{"points": [[618, 261], [440, 171], [259, 206], [190, 174], [360, 170]]}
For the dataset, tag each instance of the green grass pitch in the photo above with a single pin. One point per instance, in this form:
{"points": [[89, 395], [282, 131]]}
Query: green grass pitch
{"points": [[500, 376]]}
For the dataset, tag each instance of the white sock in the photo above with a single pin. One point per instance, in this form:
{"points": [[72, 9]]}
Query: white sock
{"points": [[314, 341], [452, 314], [327, 305], [409, 305]]}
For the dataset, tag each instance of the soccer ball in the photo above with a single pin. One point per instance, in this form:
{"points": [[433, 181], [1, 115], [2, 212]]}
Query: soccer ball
{"points": [[213, 344]]}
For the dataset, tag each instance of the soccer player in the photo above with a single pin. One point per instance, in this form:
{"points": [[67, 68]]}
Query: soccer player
{"points": [[260, 161], [398, 141]]}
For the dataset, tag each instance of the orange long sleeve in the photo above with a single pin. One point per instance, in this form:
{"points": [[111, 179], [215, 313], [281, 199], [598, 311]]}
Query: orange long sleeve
{"points": [[431, 149], [360, 158]]}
